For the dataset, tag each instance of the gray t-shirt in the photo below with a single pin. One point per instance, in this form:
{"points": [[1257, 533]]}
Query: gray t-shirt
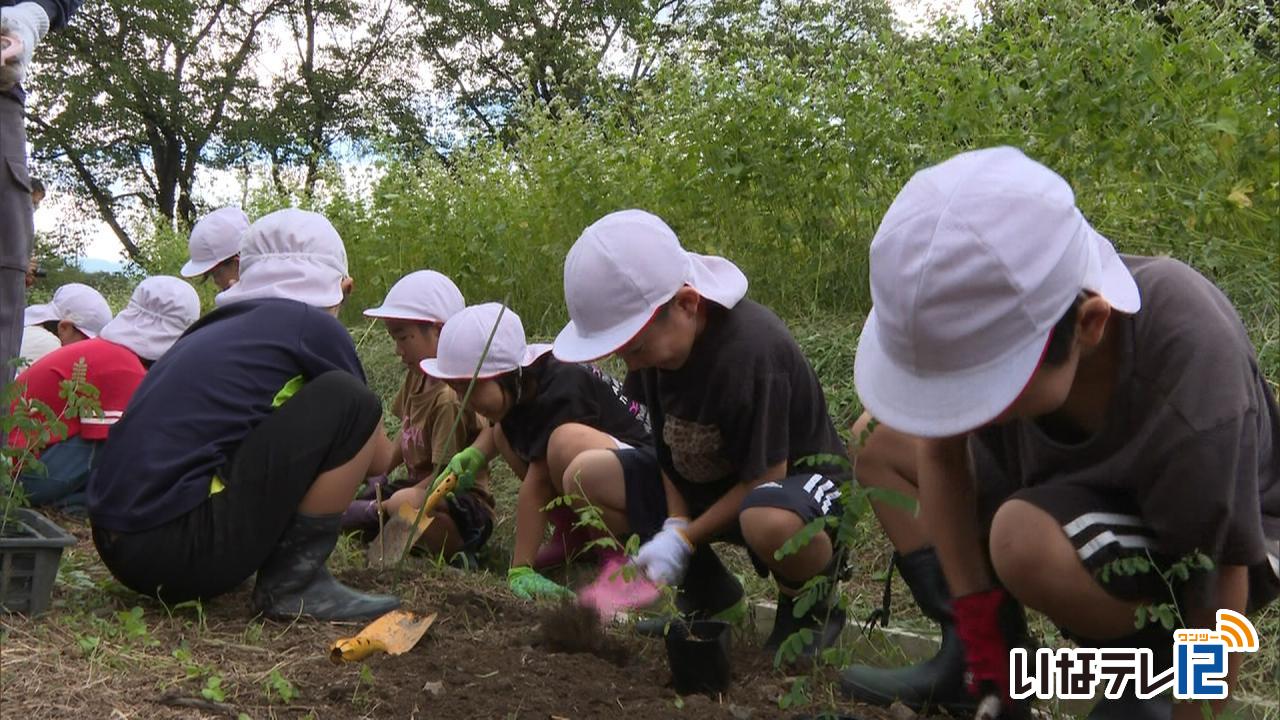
{"points": [[1192, 432]]}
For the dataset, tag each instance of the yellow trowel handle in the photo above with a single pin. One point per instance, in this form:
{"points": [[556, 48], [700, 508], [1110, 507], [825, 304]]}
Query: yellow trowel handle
{"points": [[445, 487], [355, 648], [417, 519]]}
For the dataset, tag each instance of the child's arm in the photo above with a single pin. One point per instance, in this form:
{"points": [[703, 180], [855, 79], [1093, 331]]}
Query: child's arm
{"points": [[531, 520], [1232, 590], [665, 557], [397, 452], [486, 443], [448, 438], [470, 459], [676, 506], [723, 513], [384, 451]]}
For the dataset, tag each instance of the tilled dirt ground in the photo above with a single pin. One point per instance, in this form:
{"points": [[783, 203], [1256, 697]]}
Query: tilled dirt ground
{"points": [[103, 652]]}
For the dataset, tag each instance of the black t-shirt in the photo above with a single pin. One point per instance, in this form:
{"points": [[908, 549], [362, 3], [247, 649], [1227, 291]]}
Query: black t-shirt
{"points": [[746, 399], [572, 393], [200, 400]]}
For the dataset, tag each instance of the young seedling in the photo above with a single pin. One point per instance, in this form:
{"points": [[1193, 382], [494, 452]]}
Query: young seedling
{"points": [[278, 686]]}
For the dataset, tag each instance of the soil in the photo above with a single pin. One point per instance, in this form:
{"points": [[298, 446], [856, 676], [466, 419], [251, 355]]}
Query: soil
{"points": [[573, 628], [488, 655]]}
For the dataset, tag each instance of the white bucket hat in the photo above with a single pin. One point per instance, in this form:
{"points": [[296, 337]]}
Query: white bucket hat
{"points": [[974, 263], [463, 339], [80, 304], [422, 296], [159, 311], [291, 254], [214, 239], [621, 270]]}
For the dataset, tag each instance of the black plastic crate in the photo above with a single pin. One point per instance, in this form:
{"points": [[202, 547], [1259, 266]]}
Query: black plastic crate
{"points": [[30, 550]]}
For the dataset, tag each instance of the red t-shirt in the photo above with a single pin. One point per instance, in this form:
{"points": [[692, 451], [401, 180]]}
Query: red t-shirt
{"points": [[113, 369]]}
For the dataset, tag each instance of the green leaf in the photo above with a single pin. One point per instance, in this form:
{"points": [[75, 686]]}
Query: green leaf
{"points": [[801, 539], [213, 689], [278, 686], [893, 498], [792, 647]]}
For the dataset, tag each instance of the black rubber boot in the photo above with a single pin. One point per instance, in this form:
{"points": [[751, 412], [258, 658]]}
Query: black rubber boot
{"points": [[295, 582], [709, 591], [935, 683], [825, 619], [1130, 706]]}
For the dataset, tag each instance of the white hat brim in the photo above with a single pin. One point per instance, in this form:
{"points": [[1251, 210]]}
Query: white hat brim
{"points": [[431, 366], [320, 292], [196, 269], [571, 345], [42, 313], [533, 352], [940, 405], [383, 312], [1116, 285], [717, 279]]}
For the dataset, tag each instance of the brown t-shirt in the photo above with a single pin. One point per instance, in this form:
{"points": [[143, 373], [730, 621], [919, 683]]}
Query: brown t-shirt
{"points": [[427, 409], [1192, 434]]}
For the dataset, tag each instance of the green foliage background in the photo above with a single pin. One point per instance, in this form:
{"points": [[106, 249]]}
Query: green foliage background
{"points": [[784, 162]]}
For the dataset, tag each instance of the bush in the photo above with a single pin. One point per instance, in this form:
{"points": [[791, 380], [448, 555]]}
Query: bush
{"points": [[1164, 124]]}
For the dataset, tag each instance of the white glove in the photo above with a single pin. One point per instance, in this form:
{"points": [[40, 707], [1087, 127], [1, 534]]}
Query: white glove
{"points": [[28, 22], [666, 556]]}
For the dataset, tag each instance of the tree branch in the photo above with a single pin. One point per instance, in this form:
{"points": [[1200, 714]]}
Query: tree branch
{"points": [[101, 198]]}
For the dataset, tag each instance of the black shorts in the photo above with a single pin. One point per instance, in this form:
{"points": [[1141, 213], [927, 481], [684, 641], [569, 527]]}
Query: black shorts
{"points": [[1106, 527], [646, 498], [808, 495], [215, 547], [473, 518]]}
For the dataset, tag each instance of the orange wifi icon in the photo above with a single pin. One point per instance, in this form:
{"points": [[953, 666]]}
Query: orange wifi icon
{"points": [[1236, 632]]}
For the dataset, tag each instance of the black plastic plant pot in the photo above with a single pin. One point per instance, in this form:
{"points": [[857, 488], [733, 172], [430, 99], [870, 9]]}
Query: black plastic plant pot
{"points": [[30, 549], [699, 656]]}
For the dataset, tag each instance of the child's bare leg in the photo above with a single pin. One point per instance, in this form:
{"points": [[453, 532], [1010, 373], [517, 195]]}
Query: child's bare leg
{"points": [[441, 536], [582, 463], [766, 529], [1047, 574], [888, 461], [596, 476], [413, 497]]}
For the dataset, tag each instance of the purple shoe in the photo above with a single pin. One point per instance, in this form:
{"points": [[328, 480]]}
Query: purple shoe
{"points": [[361, 515], [371, 486]]}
